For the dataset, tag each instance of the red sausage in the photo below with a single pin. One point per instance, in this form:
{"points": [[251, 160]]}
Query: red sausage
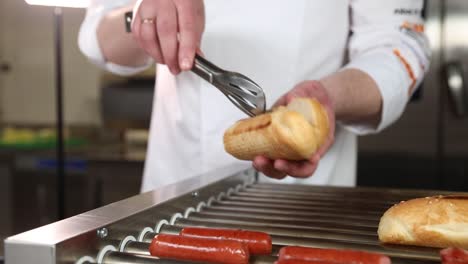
{"points": [[296, 261], [201, 249], [257, 242], [454, 255], [334, 255]]}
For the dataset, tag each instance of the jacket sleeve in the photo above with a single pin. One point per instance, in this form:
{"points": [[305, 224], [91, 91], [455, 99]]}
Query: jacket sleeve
{"points": [[388, 43], [88, 42]]}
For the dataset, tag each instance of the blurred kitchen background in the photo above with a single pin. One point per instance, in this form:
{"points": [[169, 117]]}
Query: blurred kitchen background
{"points": [[107, 117]]}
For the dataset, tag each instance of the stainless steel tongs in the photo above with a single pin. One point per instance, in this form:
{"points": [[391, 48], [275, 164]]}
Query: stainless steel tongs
{"points": [[240, 90]]}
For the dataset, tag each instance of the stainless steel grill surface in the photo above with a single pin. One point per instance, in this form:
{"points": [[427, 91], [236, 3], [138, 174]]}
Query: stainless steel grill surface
{"points": [[328, 217]]}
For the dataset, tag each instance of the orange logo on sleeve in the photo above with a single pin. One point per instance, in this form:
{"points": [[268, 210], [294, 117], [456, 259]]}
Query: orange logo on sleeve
{"points": [[409, 70], [412, 26]]}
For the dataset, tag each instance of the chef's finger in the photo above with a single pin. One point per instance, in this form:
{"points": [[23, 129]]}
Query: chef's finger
{"points": [[166, 27], [327, 144], [266, 166], [190, 24], [136, 30], [200, 52], [285, 99], [149, 39], [280, 101], [315, 158], [298, 169], [136, 26]]}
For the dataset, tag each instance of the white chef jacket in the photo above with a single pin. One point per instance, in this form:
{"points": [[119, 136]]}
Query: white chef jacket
{"points": [[276, 43]]}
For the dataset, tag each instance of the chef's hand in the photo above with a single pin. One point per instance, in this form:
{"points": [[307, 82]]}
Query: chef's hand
{"points": [[300, 169], [169, 30]]}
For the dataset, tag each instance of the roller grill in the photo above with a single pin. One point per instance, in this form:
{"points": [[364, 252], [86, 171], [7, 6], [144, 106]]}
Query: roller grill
{"points": [[313, 216]]}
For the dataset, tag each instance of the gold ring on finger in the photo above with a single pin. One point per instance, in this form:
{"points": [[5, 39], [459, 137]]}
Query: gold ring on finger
{"points": [[147, 21]]}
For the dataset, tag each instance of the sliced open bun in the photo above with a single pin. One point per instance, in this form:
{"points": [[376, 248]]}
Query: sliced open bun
{"points": [[294, 132], [439, 221]]}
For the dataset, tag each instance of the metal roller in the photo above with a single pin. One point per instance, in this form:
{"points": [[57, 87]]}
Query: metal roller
{"points": [[125, 258], [348, 206], [301, 213], [301, 226], [272, 217], [283, 231], [324, 210], [314, 197], [137, 248], [307, 197], [336, 190]]}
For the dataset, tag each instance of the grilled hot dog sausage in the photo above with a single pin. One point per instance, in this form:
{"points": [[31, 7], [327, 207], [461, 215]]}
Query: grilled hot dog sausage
{"points": [[333, 255], [257, 242], [201, 249], [296, 261], [454, 256]]}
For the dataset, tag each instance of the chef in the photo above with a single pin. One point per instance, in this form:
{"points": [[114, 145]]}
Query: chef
{"points": [[362, 59]]}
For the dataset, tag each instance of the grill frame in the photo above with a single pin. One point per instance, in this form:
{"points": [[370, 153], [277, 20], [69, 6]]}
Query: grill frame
{"points": [[71, 239], [102, 233]]}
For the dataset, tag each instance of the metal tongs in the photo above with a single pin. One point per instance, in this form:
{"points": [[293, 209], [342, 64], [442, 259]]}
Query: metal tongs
{"points": [[240, 90]]}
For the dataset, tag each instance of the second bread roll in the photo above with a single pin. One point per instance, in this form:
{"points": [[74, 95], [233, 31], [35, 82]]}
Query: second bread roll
{"points": [[439, 221], [294, 132]]}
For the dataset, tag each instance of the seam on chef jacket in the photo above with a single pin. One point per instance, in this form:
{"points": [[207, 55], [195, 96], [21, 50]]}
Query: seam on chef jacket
{"points": [[88, 42], [388, 44]]}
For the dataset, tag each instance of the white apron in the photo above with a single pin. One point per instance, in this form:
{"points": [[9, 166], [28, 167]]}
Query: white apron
{"points": [[276, 43]]}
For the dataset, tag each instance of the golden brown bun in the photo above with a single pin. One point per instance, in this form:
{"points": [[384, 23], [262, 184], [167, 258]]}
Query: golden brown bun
{"points": [[294, 132], [440, 221]]}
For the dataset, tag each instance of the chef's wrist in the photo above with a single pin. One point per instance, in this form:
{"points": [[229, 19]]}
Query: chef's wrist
{"points": [[331, 95], [354, 95]]}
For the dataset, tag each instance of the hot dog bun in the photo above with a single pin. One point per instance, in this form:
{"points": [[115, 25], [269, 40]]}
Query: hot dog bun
{"points": [[294, 132], [439, 221]]}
